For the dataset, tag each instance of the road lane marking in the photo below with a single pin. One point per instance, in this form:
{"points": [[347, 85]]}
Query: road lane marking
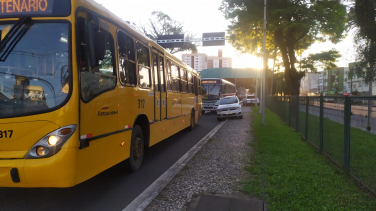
{"points": [[147, 196]]}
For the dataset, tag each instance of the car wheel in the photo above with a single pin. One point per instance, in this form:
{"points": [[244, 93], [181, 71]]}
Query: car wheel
{"points": [[241, 117], [219, 119], [202, 112], [137, 148]]}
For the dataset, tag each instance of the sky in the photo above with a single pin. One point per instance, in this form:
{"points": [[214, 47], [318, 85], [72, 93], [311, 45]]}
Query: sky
{"points": [[203, 16]]}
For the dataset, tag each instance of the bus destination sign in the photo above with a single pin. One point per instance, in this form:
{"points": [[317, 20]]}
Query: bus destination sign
{"points": [[26, 7], [209, 82]]}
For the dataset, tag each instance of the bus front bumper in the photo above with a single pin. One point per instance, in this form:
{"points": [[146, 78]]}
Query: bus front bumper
{"points": [[55, 171]]}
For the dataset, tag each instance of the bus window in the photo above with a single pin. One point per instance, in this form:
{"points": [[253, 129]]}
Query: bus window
{"points": [[143, 61], [175, 78], [95, 80], [127, 61], [190, 84], [183, 78], [155, 68], [168, 70], [161, 74], [197, 85]]}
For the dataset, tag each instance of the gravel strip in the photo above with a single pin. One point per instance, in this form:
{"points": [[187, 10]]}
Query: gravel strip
{"points": [[217, 169]]}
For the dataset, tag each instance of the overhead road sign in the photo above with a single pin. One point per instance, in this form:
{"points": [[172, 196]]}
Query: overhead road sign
{"points": [[177, 41], [213, 39], [171, 41]]}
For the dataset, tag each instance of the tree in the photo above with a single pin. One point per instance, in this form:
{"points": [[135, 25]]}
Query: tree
{"points": [[324, 59], [161, 24], [365, 40], [292, 25]]}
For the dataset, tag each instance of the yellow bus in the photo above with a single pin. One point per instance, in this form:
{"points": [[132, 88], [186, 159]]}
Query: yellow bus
{"points": [[81, 90]]}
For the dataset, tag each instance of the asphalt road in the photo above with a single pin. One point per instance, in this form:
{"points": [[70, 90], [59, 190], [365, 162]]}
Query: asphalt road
{"points": [[336, 114], [114, 188]]}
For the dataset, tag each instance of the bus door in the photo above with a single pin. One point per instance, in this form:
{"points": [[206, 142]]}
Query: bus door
{"points": [[157, 90], [195, 90], [98, 104], [162, 73]]}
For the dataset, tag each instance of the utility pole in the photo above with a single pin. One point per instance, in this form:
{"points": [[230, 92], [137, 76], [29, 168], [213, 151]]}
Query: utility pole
{"points": [[256, 89], [261, 96], [263, 73]]}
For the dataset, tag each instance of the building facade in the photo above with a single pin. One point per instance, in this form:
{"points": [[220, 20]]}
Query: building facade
{"points": [[336, 81], [219, 61], [197, 61], [309, 84]]}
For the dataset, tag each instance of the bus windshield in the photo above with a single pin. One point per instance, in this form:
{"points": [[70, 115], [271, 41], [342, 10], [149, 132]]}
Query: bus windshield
{"points": [[211, 91], [35, 75]]}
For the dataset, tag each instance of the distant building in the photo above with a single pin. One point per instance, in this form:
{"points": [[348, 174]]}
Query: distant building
{"points": [[197, 61], [200, 61], [219, 61], [309, 83], [355, 85]]}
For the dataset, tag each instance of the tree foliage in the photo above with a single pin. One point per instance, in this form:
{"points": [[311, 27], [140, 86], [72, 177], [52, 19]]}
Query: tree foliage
{"points": [[161, 24], [292, 25], [324, 59], [365, 40]]}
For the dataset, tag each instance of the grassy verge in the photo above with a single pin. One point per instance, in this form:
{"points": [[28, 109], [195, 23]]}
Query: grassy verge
{"points": [[362, 146], [294, 176]]}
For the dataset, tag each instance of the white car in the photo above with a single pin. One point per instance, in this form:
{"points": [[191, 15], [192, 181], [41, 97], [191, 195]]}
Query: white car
{"points": [[229, 107], [249, 100]]}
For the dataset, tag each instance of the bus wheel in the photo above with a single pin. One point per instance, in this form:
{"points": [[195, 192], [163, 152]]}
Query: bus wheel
{"points": [[192, 126], [137, 148]]}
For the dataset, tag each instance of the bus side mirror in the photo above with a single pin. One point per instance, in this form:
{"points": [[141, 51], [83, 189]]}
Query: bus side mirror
{"points": [[97, 45]]}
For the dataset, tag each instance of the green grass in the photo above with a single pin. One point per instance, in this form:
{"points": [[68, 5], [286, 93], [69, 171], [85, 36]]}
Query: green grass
{"points": [[291, 175], [362, 146]]}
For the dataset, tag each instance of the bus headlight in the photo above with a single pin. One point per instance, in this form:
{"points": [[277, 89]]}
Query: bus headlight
{"points": [[41, 151], [53, 140], [51, 143]]}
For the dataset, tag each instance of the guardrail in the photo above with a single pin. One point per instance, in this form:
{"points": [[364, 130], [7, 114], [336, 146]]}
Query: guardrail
{"points": [[343, 128]]}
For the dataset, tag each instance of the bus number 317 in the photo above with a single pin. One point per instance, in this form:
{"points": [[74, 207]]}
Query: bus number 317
{"points": [[141, 103], [5, 133]]}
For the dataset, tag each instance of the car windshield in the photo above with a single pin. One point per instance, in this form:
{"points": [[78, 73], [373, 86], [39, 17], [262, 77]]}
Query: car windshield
{"points": [[230, 100], [35, 73], [250, 97]]}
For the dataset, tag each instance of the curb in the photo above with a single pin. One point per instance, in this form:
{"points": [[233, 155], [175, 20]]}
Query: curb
{"points": [[147, 196]]}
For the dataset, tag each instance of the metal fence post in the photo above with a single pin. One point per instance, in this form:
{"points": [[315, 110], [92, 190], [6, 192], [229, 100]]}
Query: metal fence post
{"points": [[346, 137], [321, 123], [297, 112], [284, 108], [306, 118], [289, 111]]}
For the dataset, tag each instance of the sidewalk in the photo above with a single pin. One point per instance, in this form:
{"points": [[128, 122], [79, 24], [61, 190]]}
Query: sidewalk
{"points": [[211, 180]]}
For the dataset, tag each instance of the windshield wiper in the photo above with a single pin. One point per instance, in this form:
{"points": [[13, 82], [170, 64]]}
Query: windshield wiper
{"points": [[14, 36]]}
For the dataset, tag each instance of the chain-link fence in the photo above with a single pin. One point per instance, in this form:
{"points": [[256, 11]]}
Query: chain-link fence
{"points": [[342, 128]]}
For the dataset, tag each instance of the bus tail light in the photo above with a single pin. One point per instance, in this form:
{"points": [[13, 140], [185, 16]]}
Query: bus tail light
{"points": [[51, 143]]}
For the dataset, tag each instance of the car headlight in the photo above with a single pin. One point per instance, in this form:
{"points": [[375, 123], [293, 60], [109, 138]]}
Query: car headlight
{"points": [[50, 144]]}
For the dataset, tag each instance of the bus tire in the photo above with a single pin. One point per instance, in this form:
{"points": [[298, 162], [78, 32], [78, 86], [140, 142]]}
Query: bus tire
{"points": [[137, 149], [192, 126]]}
